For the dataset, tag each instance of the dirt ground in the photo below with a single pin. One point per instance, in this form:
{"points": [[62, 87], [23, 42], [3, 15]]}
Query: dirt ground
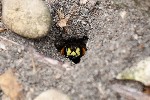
{"points": [[119, 37]]}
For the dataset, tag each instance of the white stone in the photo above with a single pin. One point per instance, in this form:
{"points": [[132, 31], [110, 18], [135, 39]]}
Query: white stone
{"points": [[140, 72], [28, 18], [52, 95]]}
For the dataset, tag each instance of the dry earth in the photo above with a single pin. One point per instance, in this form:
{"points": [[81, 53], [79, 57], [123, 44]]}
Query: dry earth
{"points": [[119, 36]]}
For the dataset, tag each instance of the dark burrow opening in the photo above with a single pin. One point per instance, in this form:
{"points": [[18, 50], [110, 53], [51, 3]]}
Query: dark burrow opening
{"points": [[72, 48], [70, 40]]}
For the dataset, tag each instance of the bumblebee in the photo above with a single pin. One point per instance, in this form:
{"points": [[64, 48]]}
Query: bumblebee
{"points": [[72, 48], [74, 53]]}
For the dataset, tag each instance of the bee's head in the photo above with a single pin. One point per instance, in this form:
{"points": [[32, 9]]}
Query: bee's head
{"points": [[73, 53]]}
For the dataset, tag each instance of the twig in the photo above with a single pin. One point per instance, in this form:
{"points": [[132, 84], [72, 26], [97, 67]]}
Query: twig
{"points": [[130, 92], [33, 62]]}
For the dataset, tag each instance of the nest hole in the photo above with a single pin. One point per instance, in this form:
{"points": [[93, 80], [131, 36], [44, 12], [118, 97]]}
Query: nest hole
{"points": [[72, 48]]}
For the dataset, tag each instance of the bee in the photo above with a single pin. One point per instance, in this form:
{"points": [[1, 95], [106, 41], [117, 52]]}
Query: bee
{"points": [[72, 48], [74, 53]]}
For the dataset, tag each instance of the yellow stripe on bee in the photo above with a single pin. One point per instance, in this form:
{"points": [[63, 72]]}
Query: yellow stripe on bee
{"points": [[68, 51], [74, 53], [78, 51]]}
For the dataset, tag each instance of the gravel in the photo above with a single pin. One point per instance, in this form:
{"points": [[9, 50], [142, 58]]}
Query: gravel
{"points": [[114, 43]]}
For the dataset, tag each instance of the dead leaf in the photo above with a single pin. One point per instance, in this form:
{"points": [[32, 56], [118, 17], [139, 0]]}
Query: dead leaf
{"points": [[10, 86], [62, 23], [62, 19]]}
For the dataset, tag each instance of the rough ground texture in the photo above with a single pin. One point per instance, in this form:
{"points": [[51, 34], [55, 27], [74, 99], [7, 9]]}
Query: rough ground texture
{"points": [[119, 36]]}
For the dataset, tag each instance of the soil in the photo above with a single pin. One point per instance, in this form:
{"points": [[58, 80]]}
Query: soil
{"points": [[118, 34]]}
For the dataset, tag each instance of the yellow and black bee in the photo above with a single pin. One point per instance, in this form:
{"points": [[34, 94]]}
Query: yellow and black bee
{"points": [[73, 53], [72, 48]]}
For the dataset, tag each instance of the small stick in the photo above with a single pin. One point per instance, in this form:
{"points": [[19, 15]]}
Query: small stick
{"points": [[130, 93]]}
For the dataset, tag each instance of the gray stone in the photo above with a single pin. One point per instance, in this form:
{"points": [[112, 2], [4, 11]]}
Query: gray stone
{"points": [[139, 72], [52, 95], [28, 18]]}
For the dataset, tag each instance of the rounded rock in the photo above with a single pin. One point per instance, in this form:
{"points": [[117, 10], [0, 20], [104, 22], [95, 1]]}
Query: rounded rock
{"points": [[28, 18], [52, 94]]}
